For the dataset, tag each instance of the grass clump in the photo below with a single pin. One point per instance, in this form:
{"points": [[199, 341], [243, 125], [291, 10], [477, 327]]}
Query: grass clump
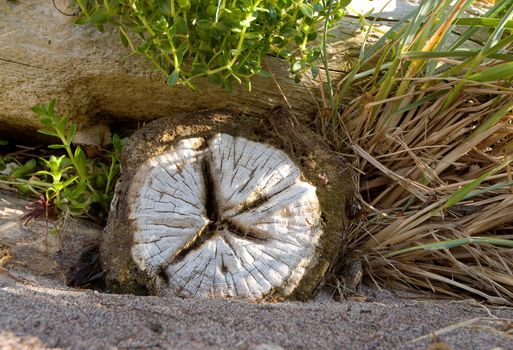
{"points": [[224, 41], [431, 139]]}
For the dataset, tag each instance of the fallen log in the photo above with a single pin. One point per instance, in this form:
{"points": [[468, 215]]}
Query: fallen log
{"points": [[96, 80]]}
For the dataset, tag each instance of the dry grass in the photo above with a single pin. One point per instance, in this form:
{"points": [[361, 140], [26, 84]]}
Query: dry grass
{"points": [[431, 136]]}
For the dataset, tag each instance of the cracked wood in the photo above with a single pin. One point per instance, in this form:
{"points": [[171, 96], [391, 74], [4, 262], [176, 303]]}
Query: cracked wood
{"points": [[223, 217]]}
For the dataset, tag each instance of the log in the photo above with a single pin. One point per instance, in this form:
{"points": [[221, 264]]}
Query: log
{"points": [[215, 205], [99, 84], [97, 81]]}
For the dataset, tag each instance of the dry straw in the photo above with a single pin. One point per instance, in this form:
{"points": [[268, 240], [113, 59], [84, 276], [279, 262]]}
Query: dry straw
{"points": [[431, 136]]}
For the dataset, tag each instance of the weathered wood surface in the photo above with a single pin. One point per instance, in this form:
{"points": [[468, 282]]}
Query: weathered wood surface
{"points": [[224, 217], [215, 205], [95, 80]]}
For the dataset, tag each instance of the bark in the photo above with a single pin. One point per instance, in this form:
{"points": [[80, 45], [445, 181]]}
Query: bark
{"points": [[214, 205]]}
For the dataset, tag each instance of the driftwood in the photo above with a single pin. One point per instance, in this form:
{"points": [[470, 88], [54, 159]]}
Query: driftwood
{"points": [[96, 81], [215, 205], [99, 85]]}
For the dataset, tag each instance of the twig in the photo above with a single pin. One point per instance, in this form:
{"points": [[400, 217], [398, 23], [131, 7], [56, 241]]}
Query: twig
{"points": [[447, 329], [277, 84], [16, 278]]}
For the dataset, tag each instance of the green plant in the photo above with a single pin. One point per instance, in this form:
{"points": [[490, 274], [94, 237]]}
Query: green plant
{"points": [[430, 132], [89, 181], [224, 41], [72, 182]]}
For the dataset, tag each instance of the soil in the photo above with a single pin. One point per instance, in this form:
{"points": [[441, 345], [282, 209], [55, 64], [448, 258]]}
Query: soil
{"points": [[38, 310]]}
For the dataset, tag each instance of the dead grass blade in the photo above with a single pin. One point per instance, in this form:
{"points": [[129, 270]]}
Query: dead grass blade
{"points": [[432, 139]]}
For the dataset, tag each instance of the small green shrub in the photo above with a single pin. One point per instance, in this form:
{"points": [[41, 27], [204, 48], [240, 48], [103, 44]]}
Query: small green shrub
{"points": [[222, 40], [70, 182]]}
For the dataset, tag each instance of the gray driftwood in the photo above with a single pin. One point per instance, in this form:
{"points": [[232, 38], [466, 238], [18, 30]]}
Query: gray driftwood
{"points": [[95, 80], [215, 205]]}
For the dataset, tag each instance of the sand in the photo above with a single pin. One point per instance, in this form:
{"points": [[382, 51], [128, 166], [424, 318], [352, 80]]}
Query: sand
{"points": [[40, 313]]}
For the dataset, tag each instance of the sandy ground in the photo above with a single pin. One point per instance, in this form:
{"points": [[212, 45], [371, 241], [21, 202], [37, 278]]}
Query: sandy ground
{"points": [[40, 313]]}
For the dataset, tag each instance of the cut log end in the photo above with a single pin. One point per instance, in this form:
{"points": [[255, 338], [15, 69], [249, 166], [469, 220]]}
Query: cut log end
{"points": [[212, 206], [224, 217]]}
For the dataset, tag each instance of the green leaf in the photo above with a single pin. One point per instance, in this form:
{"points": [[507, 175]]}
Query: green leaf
{"points": [[46, 122], [173, 78], [81, 20], [124, 38], [184, 4], [47, 132], [50, 107], [422, 101], [63, 122], [482, 22], [99, 16], [288, 32], [24, 169], [222, 27], [70, 181], [265, 74], [165, 6], [453, 243], [199, 68], [227, 85], [72, 132], [80, 163], [216, 79], [455, 53], [39, 110], [463, 192], [180, 25], [307, 10], [253, 35], [56, 146], [43, 172], [500, 72], [493, 119], [312, 36], [204, 24], [4, 142], [315, 71]]}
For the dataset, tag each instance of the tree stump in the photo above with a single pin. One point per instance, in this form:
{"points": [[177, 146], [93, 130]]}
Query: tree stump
{"points": [[226, 206]]}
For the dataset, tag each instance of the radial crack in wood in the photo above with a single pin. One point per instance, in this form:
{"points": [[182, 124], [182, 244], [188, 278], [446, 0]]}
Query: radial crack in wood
{"points": [[212, 205]]}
